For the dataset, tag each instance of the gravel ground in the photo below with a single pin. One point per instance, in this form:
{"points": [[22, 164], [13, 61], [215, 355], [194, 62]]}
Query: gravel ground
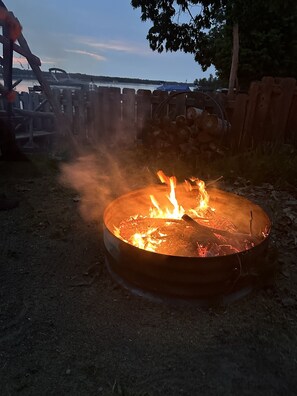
{"points": [[67, 329]]}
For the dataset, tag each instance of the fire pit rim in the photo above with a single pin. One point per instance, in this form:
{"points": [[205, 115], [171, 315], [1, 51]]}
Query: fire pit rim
{"points": [[202, 279]]}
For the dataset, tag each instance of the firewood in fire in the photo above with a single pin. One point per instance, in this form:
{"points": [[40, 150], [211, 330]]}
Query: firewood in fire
{"points": [[205, 233], [236, 241], [184, 237], [210, 230]]}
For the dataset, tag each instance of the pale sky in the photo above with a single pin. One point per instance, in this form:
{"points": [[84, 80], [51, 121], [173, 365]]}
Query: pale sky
{"points": [[98, 37]]}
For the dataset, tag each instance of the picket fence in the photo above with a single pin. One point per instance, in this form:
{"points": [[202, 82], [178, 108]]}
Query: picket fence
{"points": [[266, 113]]}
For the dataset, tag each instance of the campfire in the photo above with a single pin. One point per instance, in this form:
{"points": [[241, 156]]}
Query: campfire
{"points": [[208, 235], [197, 230]]}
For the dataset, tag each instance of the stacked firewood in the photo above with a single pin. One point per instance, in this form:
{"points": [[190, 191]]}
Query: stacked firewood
{"points": [[197, 132]]}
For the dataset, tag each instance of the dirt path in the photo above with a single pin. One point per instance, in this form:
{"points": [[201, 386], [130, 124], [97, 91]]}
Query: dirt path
{"points": [[67, 329]]}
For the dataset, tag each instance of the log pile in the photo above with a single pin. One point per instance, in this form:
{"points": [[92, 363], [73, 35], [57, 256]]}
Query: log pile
{"points": [[197, 132]]}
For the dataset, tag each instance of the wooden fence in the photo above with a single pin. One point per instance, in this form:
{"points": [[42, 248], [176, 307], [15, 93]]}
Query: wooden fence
{"points": [[268, 112]]}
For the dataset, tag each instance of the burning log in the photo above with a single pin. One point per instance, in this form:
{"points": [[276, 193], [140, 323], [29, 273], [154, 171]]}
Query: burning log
{"points": [[212, 231], [220, 241], [164, 236], [169, 236], [203, 232]]}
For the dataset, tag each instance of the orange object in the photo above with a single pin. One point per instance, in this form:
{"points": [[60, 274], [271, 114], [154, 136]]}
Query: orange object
{"points": [[14, 26], [10, 96]]}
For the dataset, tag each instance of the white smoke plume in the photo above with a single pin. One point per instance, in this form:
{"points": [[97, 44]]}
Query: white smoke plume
{"points": [[99, 178]]}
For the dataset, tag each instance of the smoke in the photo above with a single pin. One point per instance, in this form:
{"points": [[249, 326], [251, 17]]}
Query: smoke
{"points": [[100, 177]]}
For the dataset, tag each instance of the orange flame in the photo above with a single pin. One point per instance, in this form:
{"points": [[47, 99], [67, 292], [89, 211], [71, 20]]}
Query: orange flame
{"points": [[202, 197], [150, 240], [145, 240], [174, 212]]}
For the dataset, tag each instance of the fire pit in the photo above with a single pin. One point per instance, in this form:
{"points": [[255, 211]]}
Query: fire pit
{"points": [[183, 242]]}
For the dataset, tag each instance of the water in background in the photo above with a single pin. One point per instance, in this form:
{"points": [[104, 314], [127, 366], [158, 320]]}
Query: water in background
{"points": [[25, 84]]}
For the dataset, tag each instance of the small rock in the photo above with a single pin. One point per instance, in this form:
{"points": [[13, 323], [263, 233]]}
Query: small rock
{"points": [[288, 301], [68, 371]]}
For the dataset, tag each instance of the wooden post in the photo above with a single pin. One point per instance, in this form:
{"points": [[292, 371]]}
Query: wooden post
{"points": [[284, 101], [114, 112], [247, 132], [144, 110], [262, 120], [158, 99], [91, 105], [8, 146], [291, 130], [237, 121], [234, 65], [128, 112]]}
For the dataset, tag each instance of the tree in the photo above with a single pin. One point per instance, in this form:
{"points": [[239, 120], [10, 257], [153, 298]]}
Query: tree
{"points": [[208, 84], [260, 33], [181, 25], [267, 40]]}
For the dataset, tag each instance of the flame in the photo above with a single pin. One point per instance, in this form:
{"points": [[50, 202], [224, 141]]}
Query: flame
{"points": [[175, 211], [152, 238], [145, 240], [202, 197]]}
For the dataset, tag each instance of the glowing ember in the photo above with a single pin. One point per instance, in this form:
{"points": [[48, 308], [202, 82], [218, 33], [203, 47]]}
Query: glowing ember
{"points": [[165, 231]]}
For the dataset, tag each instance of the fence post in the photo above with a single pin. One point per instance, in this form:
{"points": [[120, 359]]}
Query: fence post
{"points": [[128, 113], [237, 121], [283, 104], [247, 133], [143, 109]]}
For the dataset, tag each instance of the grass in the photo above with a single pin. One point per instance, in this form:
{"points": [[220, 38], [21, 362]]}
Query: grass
{"points": [[266, 164], [273, 165]]}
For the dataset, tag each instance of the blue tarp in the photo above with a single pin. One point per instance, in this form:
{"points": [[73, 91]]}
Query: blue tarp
{"points": [[173, 87]]}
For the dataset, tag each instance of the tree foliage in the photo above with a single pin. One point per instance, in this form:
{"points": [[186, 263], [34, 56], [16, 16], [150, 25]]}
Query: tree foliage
{"points": [[267, 33], [181, 25], [268, 40], [208, 84]]}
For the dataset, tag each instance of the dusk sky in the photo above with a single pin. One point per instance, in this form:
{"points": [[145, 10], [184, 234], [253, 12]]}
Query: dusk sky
{"points": [[98, 37]]}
